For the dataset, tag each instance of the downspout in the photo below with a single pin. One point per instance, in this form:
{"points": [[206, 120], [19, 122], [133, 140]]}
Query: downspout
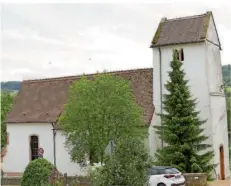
{"points": [[54, 143], [161, 105]]}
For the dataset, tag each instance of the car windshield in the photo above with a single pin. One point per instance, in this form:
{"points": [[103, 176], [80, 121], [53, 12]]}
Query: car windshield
{"points": [[171, 171], [156, 171]]}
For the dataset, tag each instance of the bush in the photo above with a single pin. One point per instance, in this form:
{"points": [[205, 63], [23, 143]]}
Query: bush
{"points": [[37, 173], [128, 165]]}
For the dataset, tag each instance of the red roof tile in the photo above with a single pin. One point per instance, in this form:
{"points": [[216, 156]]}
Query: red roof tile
{"points": [[42, 101]]}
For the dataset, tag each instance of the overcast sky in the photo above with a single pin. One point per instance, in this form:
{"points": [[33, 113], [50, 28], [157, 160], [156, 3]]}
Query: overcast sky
{"points": [[47, 40]]}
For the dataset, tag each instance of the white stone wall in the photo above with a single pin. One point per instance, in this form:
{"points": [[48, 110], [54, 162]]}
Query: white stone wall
{"points": [[220, 131], [18, 150], [217, 97], [63, 159], [195, 68]]}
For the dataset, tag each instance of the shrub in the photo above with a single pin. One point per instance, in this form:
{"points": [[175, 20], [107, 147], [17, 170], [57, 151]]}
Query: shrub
{"points": [[37, 173], [127, 165]]}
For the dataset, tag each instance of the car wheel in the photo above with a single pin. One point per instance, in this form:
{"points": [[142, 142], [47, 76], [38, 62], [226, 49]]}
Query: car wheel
{"points": [[161, 184]]}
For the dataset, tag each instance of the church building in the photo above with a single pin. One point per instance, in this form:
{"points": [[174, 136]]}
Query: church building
{"points": [[31, 124]]}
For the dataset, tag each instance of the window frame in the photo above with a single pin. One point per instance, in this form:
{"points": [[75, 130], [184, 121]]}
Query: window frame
{"points": [[180, 54], [30, 149]]}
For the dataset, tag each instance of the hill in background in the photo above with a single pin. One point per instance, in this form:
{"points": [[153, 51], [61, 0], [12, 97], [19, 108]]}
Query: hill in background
{"points": [[10, 85]]}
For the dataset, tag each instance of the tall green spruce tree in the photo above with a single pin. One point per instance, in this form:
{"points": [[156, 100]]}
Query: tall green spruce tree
{"points": [[181, 129]]}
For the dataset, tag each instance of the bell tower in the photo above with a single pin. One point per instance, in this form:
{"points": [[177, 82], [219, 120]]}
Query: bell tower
{"points": [[198, 45]]}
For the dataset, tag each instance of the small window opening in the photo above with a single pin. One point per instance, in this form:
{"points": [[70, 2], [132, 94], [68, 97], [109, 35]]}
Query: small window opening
{"points": [[180, 55], [177, 55]]}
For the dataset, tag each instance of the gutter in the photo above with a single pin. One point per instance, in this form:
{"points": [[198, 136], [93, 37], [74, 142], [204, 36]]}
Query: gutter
{"points": [[161, 105], [54, 143]]}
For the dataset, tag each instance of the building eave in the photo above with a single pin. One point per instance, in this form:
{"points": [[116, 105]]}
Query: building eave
{"points": [[172, 44]]}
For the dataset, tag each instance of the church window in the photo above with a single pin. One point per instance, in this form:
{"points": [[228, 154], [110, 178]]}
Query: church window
{"points": [[34, 145]]}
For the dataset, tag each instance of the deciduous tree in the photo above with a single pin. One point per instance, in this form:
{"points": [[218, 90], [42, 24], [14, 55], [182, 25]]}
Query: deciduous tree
{"points": [[96, 112]]}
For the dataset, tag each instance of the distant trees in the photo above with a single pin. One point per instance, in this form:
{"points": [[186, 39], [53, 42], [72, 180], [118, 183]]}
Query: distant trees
{"points": [[226, 73], [10, 85]]}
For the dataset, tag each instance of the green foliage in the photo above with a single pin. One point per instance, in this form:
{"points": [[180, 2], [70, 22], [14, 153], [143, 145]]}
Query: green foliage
{"points": [[226, 73], [228, 105], [6, 102], [181, 129], [228, 91], [37, 173], [128, 165], [96, 112]]}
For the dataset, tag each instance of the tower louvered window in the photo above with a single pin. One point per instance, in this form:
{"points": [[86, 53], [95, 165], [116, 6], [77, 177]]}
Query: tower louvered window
{"points": [[180, 54]]}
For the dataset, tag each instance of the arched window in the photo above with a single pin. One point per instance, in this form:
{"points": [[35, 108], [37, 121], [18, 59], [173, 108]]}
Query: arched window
{"points": [[34, 145]]}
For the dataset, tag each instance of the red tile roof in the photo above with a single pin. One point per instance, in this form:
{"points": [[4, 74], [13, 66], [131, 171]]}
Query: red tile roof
{"points": [[42, 101], [189, 29]]}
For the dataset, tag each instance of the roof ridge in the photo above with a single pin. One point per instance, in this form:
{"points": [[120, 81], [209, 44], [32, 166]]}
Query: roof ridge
{"points": [[86, 75], [186, 17]]}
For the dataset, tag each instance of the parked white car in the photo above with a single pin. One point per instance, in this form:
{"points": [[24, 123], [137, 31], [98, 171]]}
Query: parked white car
{"points": [[165, 176]]}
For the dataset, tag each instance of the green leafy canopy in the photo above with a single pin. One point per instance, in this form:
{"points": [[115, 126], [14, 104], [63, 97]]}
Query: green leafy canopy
{"points": [[7, 99], [181, 128], [96, 112]]}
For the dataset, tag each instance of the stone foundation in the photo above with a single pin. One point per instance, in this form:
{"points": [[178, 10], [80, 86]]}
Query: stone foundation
{"points": [[11, 181]]}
